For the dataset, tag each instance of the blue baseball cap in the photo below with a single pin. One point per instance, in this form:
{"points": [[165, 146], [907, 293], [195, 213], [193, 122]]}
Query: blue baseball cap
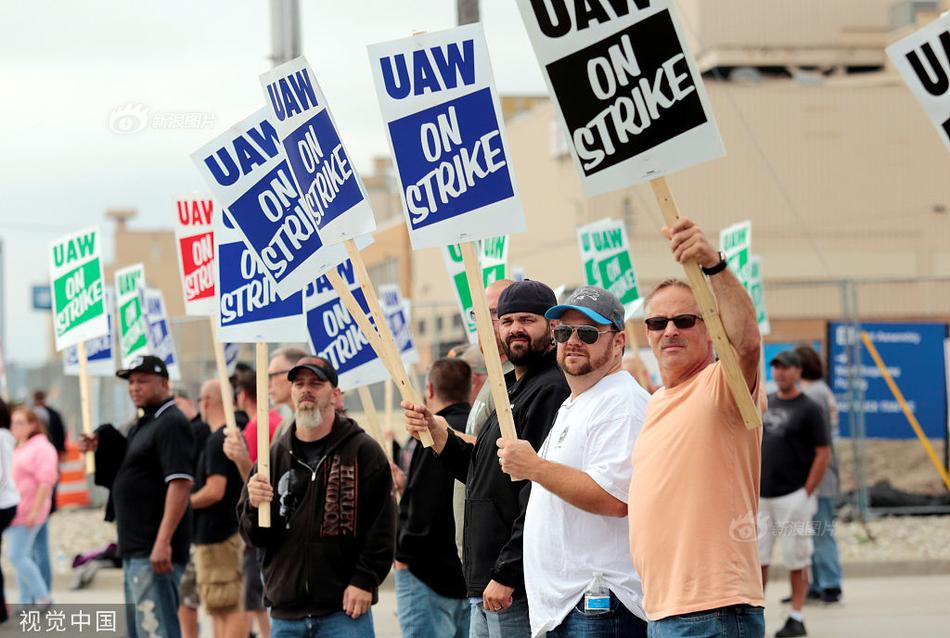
{"points": [[595, 303]]}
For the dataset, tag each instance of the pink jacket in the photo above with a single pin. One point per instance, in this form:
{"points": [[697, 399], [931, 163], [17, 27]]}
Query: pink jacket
{"points": [[35, 463]]}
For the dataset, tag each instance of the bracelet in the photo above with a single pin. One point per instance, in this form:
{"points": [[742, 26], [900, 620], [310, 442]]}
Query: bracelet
{"points": [[718, 268]]}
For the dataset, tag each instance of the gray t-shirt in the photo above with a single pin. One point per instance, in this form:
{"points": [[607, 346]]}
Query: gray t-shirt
{"points": [[820, 393]]}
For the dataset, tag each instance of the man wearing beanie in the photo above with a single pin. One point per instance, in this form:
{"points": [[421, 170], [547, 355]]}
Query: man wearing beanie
{"points": [[494, 504]]}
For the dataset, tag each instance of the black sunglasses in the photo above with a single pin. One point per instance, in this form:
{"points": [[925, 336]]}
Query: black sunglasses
{"points": [[587, 334], [682, 322]]}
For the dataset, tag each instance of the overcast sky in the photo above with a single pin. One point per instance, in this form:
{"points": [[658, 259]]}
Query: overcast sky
{"points": [[68, 69]]}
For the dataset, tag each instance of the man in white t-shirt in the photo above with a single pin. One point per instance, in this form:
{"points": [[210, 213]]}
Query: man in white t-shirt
{"points": [[579, 577]]}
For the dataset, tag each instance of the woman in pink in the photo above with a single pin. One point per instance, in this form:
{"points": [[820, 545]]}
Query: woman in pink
{"points": [[35, 469]]}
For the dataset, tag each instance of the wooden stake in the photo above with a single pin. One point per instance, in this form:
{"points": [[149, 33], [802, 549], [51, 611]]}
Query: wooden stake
{"points": [[227, 396], [372, 420], [872, 349], [263, 427], [486, 337], [85, 403], [640, 372], [395, 368], [382, 325], [388, 408], [707, 304]]}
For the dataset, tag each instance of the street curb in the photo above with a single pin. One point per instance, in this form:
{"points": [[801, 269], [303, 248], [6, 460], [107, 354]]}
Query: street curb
{"points": [[878, 569]]}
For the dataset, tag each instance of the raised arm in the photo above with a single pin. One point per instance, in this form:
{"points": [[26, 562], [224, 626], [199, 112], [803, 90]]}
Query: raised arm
{"points": [[689, 243]]}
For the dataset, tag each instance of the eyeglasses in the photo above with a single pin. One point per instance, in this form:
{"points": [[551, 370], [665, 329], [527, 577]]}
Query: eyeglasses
{"points": [[587, 334], [277, 373], [683, 322]]}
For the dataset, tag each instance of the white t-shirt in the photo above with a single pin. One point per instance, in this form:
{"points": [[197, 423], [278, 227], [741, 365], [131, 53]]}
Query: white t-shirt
{"points": [[563, 545], [9, 496]]}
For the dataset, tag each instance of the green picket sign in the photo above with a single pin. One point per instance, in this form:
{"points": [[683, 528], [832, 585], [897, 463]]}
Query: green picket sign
{"points": [[605, 253], [77, 288]]}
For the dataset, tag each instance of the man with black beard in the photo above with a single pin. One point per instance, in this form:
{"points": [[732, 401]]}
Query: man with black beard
{"points": [[494, 504]]}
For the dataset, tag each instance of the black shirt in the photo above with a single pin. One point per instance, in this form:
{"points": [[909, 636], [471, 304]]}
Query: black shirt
{"points": [[494, 504], [792, 429], [160, 448], [218, 522], [311, 452], [425, 538]]}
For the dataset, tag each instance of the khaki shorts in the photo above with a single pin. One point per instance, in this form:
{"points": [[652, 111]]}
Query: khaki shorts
{"points": [[220, 575]]}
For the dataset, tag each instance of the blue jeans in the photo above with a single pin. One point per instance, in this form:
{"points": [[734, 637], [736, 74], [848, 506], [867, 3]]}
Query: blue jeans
{"points": [[509, 623], [337, 625], [737, 621], [424, 613], [153, 599], [825, 565], [619, 622], [29, 578], [41, 553]]}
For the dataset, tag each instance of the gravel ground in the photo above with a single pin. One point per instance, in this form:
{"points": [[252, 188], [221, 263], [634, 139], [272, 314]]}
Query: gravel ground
{"points": [[895, 539]]}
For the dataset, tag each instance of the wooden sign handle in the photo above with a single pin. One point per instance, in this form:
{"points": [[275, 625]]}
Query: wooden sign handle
{"points": [[372, 420], [85, 403], [263, 427], [227, 395], [710, 310], [486, 337], [382, 325], [395, 368], [640, 372]]}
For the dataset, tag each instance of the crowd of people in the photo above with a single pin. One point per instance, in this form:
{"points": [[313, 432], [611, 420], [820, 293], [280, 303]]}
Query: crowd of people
{"points": [[616, 511]]}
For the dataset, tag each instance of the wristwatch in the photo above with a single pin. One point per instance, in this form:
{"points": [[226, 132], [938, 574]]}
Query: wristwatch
{"points": [[718, 268]]}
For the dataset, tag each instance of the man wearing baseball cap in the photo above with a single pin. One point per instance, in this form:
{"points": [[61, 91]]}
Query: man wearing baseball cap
{"points": [[795, 454], [150, 474], [578, 572], [494, 504], [333, 520]]}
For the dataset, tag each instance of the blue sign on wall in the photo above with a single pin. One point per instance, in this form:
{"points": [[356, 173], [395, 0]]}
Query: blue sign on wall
{"points": [[914, 356], [42, 300]]}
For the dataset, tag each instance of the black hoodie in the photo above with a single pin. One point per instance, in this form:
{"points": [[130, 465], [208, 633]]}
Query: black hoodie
{"points": [[426, 537], [494, 504], [330, 528]]}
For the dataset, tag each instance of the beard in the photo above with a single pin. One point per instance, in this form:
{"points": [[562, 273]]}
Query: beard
{"points": [[307, 418], [586, 365], [526, 356]]}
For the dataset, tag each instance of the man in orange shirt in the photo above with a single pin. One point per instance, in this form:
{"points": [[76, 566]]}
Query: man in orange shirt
{"points": [[694, 493]]}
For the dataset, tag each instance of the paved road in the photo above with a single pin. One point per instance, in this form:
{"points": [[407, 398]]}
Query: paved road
{"points": [[904, 606]]}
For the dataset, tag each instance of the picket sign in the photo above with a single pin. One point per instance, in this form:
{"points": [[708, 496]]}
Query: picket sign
{"points": [[445, 130], [372, 420], [330, 188], [130, 308], [194, 236], [710, 311], [486, 337], [100, 351], [633, 103], [79, 306], [493, 255], [923, 60], [263, 429]]}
